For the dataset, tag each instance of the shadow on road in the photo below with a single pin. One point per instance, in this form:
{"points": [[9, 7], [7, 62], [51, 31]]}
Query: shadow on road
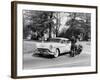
{"points": [[43, 56], [48, 56]]}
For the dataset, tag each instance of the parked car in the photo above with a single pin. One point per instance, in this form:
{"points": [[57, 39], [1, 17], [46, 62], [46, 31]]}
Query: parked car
{"points": [[56, 46]]}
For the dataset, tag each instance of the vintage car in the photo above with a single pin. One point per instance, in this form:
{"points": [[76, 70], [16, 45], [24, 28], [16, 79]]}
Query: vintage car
{"points": [[57, 46]]}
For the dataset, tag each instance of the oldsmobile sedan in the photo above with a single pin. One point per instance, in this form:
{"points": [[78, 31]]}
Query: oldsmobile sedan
{"points": [[57, 46]]}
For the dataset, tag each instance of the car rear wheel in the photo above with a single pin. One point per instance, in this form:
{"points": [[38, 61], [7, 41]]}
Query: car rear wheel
{"points": [[79, 49], [56, 54]]}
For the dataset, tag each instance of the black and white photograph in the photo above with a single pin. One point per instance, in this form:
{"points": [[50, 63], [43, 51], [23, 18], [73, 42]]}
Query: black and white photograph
{"points": [[55, 39]]}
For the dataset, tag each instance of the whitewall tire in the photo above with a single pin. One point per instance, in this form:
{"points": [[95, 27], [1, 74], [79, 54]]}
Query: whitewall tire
{"points": [[56, 54]]}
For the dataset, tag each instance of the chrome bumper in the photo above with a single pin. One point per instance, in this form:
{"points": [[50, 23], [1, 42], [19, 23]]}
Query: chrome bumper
{"points": [[43, 51]]}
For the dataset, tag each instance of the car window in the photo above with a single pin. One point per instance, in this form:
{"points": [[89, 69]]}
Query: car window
{"points": [[54, 40], [62, 41], [68, 41], [65, 41]]}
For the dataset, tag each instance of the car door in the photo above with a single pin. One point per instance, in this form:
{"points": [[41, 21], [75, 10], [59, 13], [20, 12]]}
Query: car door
{"points": [[62, 46], [67, 45]]}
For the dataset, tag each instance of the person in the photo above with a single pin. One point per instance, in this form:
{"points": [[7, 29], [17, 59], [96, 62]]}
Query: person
{"points": [[73, 41], [76, 46]]}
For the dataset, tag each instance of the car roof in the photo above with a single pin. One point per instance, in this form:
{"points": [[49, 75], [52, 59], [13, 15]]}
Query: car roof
{"points": [[61, 38]]}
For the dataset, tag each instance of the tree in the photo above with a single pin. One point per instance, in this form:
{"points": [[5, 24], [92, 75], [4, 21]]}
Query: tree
{"points": [[79, 24], [37, 21]]}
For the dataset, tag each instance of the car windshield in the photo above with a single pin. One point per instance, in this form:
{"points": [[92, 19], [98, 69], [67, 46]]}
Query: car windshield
{"points": [[54, 40]]}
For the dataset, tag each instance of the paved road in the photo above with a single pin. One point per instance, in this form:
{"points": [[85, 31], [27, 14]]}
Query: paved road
{"points": [[37, 62]]}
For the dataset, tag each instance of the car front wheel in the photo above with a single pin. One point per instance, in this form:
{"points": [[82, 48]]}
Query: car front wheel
{"points": [[56, 54]]}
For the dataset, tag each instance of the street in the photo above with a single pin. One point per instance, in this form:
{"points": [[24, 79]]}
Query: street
{"points": [[31, 61]]}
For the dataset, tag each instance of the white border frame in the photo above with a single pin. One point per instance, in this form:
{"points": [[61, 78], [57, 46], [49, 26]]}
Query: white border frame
{"points": [[21, 72]]}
